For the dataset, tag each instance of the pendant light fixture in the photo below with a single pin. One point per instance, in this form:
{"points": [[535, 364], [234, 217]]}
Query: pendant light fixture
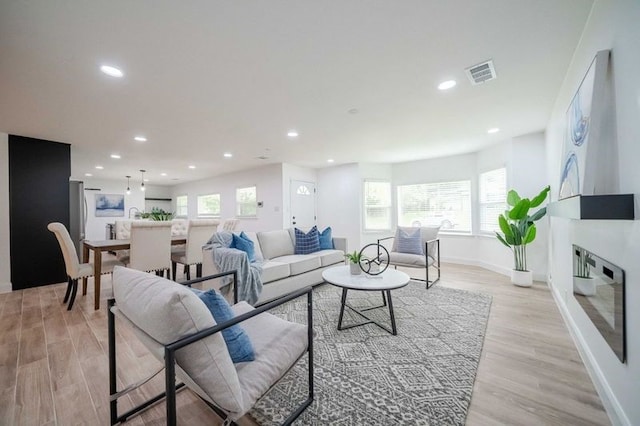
{"points": [[128, 186], [142, 184]]}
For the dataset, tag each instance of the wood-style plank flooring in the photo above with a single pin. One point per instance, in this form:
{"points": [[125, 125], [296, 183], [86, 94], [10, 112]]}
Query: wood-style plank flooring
{"points": [[54, 371]]}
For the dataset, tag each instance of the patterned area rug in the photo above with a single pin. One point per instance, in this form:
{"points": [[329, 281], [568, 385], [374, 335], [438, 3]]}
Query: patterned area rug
{"points": [[365, 376]]}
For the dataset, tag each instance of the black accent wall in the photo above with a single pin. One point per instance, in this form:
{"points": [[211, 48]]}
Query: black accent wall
{"points": [[39, 172]]}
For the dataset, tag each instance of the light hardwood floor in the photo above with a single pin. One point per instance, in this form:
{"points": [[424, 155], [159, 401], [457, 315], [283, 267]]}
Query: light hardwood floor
{"points": [[53, 363]]}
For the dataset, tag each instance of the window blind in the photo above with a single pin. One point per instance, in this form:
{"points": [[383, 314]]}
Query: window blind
{"points": [[444, 204]]}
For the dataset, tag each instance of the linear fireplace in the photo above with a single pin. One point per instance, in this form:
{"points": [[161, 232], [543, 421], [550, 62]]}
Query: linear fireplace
{"points": [[598, 286]]}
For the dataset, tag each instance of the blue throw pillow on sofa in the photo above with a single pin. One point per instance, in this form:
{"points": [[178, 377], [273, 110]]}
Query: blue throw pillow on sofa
{"points": [[238, 343], [244, 243], [409, 242], [307, 243], [326, 241]]}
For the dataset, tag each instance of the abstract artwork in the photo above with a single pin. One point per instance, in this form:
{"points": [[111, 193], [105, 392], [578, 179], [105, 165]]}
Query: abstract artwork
{"points": [[109, 205], [583, 120]]}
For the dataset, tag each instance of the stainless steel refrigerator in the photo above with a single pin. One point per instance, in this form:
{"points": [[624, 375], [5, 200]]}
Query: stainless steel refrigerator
{"points": [[77, 214]]}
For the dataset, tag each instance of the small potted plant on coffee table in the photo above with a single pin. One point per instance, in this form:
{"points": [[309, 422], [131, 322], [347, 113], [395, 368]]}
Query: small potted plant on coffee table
{"points": [[354, 262]]}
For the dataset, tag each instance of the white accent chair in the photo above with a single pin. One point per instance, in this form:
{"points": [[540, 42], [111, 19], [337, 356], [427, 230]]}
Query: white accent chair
{"points": [[150, 246], [179, 330], [429, 258], [198, 233], [75, 269]]}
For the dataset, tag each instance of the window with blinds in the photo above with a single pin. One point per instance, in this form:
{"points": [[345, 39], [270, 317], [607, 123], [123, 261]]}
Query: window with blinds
{"points": [[246, 202], [377, 206], [444, 204], [209, 205], [181, 206], [493, 198]]}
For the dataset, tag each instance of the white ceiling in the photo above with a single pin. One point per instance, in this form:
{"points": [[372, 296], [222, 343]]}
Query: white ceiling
{"points": [[206, 77]]}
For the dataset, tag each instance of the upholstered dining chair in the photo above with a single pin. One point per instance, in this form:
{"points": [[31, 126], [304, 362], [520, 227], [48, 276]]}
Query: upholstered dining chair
{"points": [[415, 247], [198, 233], [75, 269], [123, 232], [178, 328], [230, 224], [150, 246]]}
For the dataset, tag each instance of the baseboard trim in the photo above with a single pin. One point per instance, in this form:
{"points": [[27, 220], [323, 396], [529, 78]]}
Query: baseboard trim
{"points": [[609, 401], [490, 266], [5, 287]]}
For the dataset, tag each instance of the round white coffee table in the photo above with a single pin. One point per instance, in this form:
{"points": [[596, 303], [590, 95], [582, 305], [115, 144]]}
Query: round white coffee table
{"points": [[385, 282]]}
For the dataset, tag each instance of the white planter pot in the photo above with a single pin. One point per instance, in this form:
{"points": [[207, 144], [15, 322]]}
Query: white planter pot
{"points": [[584, 286], [355, 268], [522, 278]]}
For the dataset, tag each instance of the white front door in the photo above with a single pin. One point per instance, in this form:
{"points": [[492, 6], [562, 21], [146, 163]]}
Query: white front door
{"points": [[303, 204]]}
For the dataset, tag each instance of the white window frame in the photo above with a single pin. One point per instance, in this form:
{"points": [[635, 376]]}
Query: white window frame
{"points": [[365, 206], [207, 214], [497, 206], [239, 204], [186, 206], [468, 201]]}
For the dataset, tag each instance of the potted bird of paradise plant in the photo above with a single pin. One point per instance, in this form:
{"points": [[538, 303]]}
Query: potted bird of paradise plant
{"points": [[519, 230]]}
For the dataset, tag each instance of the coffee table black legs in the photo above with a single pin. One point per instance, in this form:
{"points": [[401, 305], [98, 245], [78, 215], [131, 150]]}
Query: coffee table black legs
{"points": [[386, 301]]}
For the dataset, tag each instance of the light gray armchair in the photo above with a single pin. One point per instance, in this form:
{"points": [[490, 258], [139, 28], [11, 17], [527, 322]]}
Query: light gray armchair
{"points": [[179, 330], [429, 258]]}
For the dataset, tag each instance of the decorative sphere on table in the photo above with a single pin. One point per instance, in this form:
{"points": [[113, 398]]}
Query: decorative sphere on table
{"points": [[374, 266]]}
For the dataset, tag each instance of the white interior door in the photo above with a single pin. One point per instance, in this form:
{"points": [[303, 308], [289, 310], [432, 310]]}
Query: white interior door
{"points": [[303, 204]]}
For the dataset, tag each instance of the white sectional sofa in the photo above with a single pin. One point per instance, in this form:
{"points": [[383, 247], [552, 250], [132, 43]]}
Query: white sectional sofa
{"points": [[282, 270]]}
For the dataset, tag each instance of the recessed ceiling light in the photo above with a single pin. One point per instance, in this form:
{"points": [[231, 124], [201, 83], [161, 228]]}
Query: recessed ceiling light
{"points": [[445, 85], [146, 180], [116, 156], [111, 71], [292, 134], [99, 167], [163, 174], [493, 130], [192, 166], [88, 174], [227, 155], [330, 160], [140, 138]]}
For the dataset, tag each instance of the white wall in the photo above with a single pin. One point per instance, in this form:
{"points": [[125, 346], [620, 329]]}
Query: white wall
{"points": [[612, 25], [157, 191], [95, 229], [268, 182], [526, 173], [339, 201], [5, 263]]}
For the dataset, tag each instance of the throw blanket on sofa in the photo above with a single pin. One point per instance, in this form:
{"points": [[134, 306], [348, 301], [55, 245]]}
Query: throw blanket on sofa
{"points": [[228, 259]]}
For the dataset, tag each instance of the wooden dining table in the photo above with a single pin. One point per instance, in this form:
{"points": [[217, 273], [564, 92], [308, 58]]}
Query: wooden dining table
{"points": [[100, 246]]}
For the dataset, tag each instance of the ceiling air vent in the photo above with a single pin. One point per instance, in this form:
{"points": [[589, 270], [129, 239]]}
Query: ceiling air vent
{"points": [[480, 73]]}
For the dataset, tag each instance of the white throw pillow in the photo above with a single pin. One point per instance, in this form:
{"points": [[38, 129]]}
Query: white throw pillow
{"points": [[275, 243]]}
